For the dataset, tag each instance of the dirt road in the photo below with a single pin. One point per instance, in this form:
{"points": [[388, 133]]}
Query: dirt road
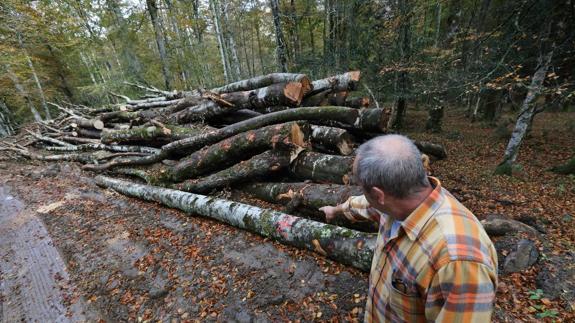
{"points": [[71, 251]]}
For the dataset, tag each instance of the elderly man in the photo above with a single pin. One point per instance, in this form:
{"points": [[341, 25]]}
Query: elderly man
{"points": [[433, 261]]}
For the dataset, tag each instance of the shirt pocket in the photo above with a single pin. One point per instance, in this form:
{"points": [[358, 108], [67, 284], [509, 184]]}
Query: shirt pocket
{"points": [[406, 306]]}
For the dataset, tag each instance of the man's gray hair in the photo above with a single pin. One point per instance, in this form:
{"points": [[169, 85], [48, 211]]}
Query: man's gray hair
{"points": [[391, 163]]}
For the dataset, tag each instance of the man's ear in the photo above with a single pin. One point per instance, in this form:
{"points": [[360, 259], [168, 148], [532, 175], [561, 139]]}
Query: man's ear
{"points": [[378, 194]]}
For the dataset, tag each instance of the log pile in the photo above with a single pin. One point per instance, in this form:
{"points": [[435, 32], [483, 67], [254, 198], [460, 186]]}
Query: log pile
{"points": [[280, 138]]}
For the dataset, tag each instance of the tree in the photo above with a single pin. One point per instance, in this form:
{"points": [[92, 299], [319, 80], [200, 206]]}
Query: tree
{"points": [[156, 22], [280, 41]]}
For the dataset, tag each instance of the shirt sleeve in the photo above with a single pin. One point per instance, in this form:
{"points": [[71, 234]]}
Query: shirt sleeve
{"points": [[357, 208], [461, 291]]}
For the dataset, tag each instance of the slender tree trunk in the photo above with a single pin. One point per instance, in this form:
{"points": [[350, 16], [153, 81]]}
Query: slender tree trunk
{"points": [[20, 89], [262, 66], [153, 11], [220, 37], [525, 116], [280, 40], [237, 67], [36, 79]]}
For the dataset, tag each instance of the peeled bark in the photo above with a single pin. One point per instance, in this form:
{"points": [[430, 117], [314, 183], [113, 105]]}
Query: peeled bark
{"points": [[347, 246], [323, 168], [256, 167], [263, 81], [332, 139]]}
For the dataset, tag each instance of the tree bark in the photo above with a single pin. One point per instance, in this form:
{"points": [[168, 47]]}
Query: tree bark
{"points": [[153, 135], [332, 139], [357, 103], [343, 82], [237, 148], [36, 79], [254, 168], [20, 89], [289, 94], [525, 116], [263, 81], [343, 245], [153, 11], [322, 168], [280, 40]]}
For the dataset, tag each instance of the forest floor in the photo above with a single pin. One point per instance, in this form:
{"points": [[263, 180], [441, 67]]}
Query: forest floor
{"points": [[69, 249]]}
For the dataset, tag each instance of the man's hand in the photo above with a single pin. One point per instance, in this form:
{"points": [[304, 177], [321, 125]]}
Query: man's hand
{"points": [[330, 212]]}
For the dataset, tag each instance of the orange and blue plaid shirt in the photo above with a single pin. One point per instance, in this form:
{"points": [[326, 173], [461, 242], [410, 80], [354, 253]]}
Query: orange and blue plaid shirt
{"points": [[436, 265]]}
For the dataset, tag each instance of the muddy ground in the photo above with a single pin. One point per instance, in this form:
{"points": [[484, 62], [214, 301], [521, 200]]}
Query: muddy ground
{"points": [[70, 250]]}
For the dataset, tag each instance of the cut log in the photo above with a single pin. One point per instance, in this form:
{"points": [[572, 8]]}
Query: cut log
{"points": [[341, 115], [254, 168], [323, 168], [312, 195], [238, 147], [343, 245], [88, 133], [332, 139], [154, 104], [153, 135], [234, 117], [343, 82], [265, 80], [114, 148], [79, 140], [307, 198], [370, 122], [87, 123], [289, 94], [357, 103], [435, 150]]}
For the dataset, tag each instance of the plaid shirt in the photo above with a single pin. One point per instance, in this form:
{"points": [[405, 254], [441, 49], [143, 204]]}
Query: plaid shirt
{"points": [[439, 266]]}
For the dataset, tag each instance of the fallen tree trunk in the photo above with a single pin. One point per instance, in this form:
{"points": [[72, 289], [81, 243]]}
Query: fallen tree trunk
{"points": [[346, 116], [435, 150], [323, 168], [311, 195], [343, 245], [357, 103], [87, 123], [332, 139], [160, 134], [263, 81], [308, 198], [256, 167], [238, 147], [289, 94], [343, 82], [114, 148], [89, 133]]}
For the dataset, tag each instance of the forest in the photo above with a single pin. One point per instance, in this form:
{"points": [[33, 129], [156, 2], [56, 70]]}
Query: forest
{"points": [[247, 114]]}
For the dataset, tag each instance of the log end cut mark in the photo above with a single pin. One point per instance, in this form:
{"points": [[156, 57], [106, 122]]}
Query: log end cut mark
{"points": [[294, 92], [298, 136], [98, 124], [305, 85]]}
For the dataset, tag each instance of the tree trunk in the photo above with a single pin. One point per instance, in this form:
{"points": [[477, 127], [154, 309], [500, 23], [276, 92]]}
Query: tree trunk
{"points": [[20, 89], [152, 135], [322, 168], [434, 119], [343, 245], [239, 147], [263, 81], [153, 11], [220, 37], [428, 148], [257, 167], [289, 94], [343, 82], [332, 140], [6, 121], [36, 79], [357, 103], [280, 41], [525, 116]]}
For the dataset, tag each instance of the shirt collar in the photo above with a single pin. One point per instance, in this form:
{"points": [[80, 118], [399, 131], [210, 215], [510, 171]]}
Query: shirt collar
{"points": [[419, 217]]}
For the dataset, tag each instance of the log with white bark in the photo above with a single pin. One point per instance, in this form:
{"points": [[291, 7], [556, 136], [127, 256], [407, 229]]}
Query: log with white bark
{"points": [[337, 83], [323, 168], [346, 246], [332, 139], [263, 81]]}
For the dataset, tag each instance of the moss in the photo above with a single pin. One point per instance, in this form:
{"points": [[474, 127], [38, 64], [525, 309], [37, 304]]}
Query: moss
{"points": [[504, 168], [267, 226]]}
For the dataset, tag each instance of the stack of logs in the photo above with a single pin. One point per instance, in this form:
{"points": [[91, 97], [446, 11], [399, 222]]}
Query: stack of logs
{"points": [[280, 138]]}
